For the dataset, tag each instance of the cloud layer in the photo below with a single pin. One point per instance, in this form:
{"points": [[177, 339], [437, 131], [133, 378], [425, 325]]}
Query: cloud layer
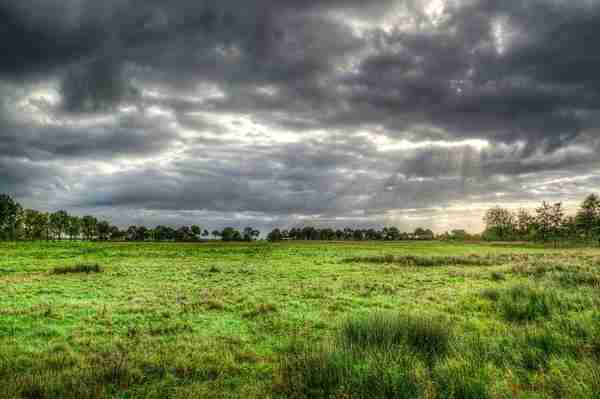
{"points": [[414, 112]]}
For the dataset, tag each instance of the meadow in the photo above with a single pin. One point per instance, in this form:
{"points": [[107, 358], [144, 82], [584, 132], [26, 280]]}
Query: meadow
{"points": [[298, 320]]}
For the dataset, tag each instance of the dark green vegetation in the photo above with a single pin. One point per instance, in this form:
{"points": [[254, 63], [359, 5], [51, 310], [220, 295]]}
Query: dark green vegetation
{"points": [[79, 268], [549, 223], [298, 320]]}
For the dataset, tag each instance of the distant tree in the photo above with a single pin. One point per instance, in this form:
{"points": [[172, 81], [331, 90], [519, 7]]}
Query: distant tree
{"points": [[570, 229], [423, 234], [103, 229], [59, 222], [250, 234], [216, 234], [10, 213], [131, 234], [588, 217], [205, 233], [147, 234], [525, 224], [115, 233], [459, 235], [183, 233], [274, 235], [141, 233], [164, 233], [549, 221], [230, 234], [35, 224], [74, 227], [196, 231], [500, 224], [327, 234], [88, 227], [391, 233]]}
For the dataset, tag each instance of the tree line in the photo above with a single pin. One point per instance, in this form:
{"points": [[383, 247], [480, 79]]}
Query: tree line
{"points": [[329, 234], [17, 223], [549, 223]]}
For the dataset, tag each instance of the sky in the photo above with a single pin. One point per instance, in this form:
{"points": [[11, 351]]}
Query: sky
{"points": [[288, 113]]}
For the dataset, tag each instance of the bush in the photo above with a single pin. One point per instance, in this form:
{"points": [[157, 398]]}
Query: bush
{"points": [[79, 268]]}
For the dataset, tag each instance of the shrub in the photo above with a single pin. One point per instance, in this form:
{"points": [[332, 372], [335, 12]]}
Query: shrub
{"points": [[79, 268]]}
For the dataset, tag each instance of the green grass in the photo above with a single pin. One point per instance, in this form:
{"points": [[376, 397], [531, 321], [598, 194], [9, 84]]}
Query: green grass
{"points": [[298, 320]]}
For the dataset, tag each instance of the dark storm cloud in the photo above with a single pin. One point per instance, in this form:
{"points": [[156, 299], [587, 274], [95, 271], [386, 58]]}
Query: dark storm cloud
{"points": [[258, 106], [128, 136], [27, 179]]}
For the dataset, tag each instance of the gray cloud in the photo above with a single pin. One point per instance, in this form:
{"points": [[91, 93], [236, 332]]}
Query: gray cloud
{"points": [[261, 108]]}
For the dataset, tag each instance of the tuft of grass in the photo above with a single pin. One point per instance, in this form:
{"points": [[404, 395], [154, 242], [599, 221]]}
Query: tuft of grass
{"points": [[79, 268], [523, 303], [579, 277], [260, 309], [538, 346], [461, 378], [338, 372], [428, 336], [498, 276], [493, 294]]}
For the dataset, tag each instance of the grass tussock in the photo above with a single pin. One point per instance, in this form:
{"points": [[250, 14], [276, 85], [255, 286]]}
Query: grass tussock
{"points": [[432, 261], [522, 303], [579, 278], [428, 336], [86, 268], [338, 372], [498, 276], [261, 309], [463, 378]]}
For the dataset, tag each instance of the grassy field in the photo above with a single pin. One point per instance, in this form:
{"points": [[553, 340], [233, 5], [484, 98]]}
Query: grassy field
{"points": [[298, 320]]}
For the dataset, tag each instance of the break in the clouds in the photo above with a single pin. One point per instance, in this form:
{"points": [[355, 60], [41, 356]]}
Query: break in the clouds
{"points": [[337, 112]]}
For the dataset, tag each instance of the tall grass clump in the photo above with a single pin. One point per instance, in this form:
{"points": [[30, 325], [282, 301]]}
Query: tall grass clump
{"points": [[461, 378], [79, 268], [377, 356], [428, 336], [538, 346], [574, 278], [338, 372], [523, 303]]}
